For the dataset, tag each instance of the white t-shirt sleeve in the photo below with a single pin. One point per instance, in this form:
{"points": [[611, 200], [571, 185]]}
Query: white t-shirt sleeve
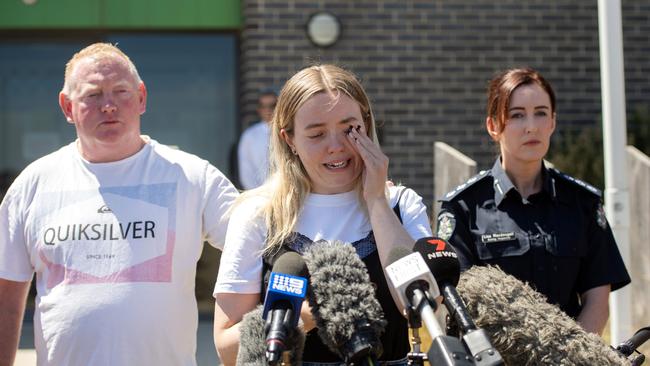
{"points": [[240, 270], [15, 264], [246, 161], [414, 213], [219, 196]]}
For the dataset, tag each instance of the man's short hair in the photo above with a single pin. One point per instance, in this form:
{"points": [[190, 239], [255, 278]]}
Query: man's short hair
{"points": [[97, 51]]}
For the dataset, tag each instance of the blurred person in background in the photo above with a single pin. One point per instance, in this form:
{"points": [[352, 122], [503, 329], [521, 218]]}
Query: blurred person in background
{"points": [[536, 223], [253, 147]]}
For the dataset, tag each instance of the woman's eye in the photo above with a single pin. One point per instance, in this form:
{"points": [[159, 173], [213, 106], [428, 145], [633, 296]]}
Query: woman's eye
{"points": [[516, 116], [541, 114], [316, 135]]}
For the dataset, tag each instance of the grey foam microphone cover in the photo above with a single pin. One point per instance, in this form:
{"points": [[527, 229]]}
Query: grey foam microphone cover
{"points": [[524, 328], [252, 341], [342, 297]]}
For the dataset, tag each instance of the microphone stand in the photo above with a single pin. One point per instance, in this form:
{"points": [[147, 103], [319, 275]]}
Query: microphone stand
{"points": [[416, 357], [444, 350], [475, 339]]}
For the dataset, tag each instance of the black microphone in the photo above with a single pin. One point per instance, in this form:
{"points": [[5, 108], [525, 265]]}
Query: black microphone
{"points": [[252, 341], [415, 291], [348, 316], [640, 337], [443, 262], [524, 327], [282, 303], [630, 346]]}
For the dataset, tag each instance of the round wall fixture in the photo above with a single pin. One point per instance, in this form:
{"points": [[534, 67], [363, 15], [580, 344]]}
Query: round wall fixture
{"points": [[323, 29]]}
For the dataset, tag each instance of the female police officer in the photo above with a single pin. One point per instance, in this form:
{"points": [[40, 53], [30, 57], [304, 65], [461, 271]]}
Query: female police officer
{"points": [[538, 224]]}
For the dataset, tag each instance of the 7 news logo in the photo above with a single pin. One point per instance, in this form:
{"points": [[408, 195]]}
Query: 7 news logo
{"points": [[441, 250]]}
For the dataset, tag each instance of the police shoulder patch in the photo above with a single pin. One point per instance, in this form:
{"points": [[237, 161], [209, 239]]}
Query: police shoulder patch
{"points": [[578, 182], [454, 192], [446, 225]]}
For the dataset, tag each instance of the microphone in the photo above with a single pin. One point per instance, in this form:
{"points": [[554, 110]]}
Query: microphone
{"points": [[525, 328], [415, 291], [415, 288], [282, 303], [630, 346], [443, 262], [348, 316], [252, 344]]}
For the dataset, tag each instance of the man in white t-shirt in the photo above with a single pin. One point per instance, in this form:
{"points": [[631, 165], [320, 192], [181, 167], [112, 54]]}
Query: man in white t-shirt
{"points": [[113, 225], [253, 148]]}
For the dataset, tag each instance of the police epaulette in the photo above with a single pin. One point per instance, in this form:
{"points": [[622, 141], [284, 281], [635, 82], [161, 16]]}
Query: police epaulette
{"points": [[454, 192], [578, 182]]}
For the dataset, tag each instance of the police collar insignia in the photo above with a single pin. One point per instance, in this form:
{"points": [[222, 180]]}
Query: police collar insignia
{"points": [[446, 225]]}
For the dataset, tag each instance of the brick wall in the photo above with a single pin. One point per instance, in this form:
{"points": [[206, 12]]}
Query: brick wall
{"points": [[425, 64]]}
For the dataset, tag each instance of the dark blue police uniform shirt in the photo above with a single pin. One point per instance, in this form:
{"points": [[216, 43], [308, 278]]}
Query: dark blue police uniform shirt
{"points": [[558, 240]]}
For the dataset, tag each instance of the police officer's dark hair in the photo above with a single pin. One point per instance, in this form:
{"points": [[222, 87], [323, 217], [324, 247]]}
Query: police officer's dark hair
{"points": [[502, 86]]}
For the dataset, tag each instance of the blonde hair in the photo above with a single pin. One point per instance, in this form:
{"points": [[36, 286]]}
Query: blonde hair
{"points": [[289, 183], [96, 51]]}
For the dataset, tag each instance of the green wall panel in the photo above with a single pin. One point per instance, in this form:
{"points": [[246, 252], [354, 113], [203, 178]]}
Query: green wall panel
{"points": [[121, 14], [50, 14], [173, 13]]}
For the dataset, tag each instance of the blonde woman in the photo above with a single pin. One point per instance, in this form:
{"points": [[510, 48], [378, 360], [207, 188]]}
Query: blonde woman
{"points": [[328, 182]]}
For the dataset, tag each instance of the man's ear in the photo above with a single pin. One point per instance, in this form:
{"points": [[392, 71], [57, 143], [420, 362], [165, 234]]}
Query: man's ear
{"points": [[66, 107], [492, 128], [142, 91]]}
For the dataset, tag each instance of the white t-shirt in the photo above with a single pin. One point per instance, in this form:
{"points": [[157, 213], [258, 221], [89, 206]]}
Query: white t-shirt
{"points": [[253, 155], [114, 247], [323, 217]]}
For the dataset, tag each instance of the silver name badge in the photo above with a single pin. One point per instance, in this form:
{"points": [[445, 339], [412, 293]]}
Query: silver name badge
{"points": [[497, 237]]}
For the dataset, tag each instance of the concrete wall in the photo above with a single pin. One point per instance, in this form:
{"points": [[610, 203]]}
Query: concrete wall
{"points": [[451, 169], [638, 175], [425, 64]]}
